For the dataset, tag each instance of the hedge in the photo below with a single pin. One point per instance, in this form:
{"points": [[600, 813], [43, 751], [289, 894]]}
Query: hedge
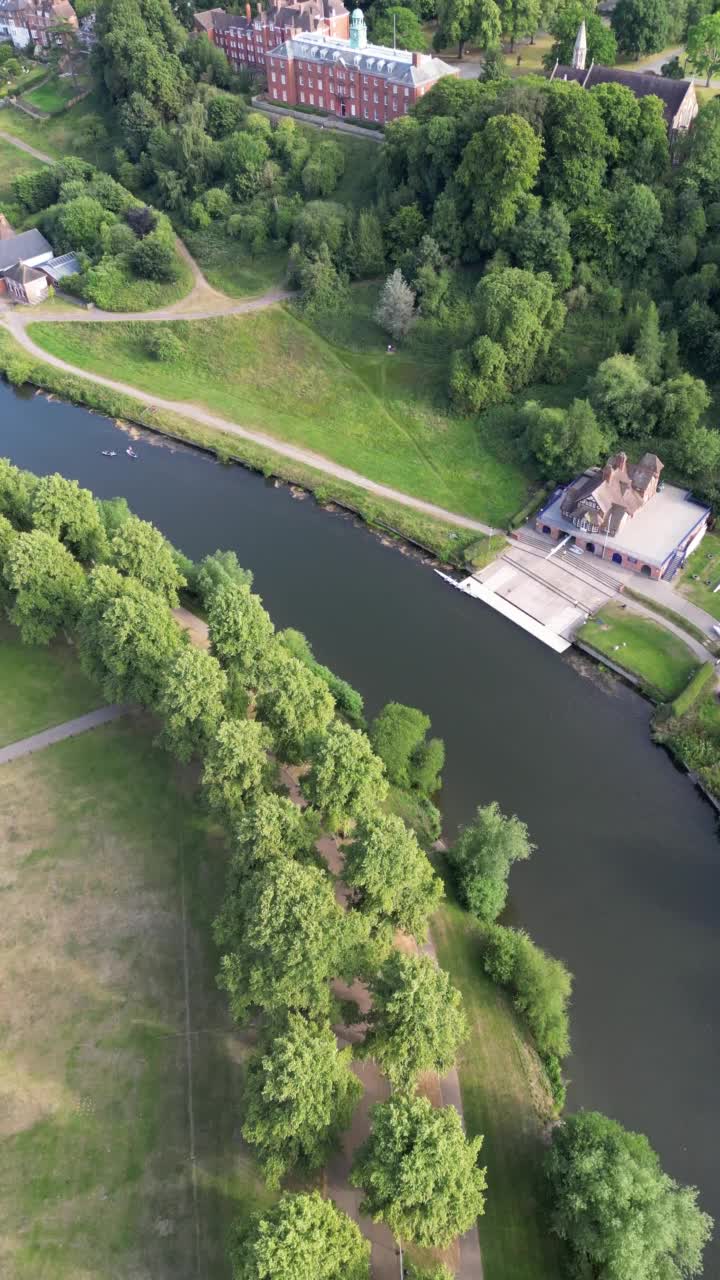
{"points": [[691, 693]]}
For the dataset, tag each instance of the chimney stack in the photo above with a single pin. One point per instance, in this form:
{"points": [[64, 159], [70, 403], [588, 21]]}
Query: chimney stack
{"points": [[418, 59], [248, 11]]}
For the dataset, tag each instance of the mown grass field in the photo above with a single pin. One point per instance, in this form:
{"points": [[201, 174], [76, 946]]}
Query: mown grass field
{"points": [[382, 415], [96, 1176], [642, 647], [59, 136], [39, 687], [505, 1099], [702, 574]]}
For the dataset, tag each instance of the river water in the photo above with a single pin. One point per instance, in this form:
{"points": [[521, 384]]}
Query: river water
{"points": [[625, 884]]}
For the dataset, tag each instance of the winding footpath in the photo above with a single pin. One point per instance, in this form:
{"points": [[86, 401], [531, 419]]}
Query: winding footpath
{"points": [[59, 732]]}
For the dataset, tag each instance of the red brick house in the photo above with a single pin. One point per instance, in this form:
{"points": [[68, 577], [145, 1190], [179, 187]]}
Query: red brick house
{"points": [[246, 38], [351, 78], [623, 513]]}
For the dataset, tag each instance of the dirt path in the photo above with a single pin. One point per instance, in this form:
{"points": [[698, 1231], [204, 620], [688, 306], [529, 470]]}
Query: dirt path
{"points": [[306, 457], [70, 729], [25, 146]]}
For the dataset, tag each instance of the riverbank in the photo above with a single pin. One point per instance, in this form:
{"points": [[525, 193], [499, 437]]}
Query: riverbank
{"points": [[445, 540]]}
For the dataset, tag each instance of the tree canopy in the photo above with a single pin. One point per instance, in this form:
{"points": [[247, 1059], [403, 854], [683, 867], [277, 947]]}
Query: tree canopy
{"points": [[416, 1022], [48, 586], [419, 1173], [392, 879], [346, 779], [483, 856], [615, 1209], [300, 1094], [302, 1235]]}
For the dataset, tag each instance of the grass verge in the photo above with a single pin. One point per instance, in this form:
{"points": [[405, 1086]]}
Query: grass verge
{"points": [[61, 135], [53, 95], [645, 649], [504, 1098], [677, 618], [95, 1171], [380, 415], [39, 687], [701, 575], [444, 540], [12, 162]]}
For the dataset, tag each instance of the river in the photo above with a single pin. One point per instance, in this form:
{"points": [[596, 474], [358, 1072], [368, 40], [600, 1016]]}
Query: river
{"points": [[624, 886]]}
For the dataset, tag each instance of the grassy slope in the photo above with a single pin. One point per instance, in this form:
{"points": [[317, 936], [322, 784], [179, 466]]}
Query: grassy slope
{"points": [[12, 162], [39, 687], [646, 649], [505, 1100], [95, 1176], [371, 412], [704, 565]]}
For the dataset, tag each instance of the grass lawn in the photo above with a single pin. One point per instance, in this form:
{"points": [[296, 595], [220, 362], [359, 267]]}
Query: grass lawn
{"points": [[12, 162], [643, 647], [505, 1099], [382, 415], [39, 687], [702, 574], [96, 1178], [54, 94]]}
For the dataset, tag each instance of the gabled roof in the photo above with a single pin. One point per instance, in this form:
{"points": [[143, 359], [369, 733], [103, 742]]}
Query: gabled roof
{"points": [[672, 93], [29, 244], [397, 65], [23, 274]]}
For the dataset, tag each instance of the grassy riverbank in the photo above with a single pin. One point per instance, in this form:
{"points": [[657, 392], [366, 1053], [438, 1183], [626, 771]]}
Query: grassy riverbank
{"points": [[96, 1172], [643, 648], [379, 415], [506, 1099], [444, 540]]}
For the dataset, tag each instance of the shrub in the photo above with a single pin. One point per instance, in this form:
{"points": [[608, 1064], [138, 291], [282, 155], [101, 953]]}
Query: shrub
{"points": [[154, 258], [164, 345]]}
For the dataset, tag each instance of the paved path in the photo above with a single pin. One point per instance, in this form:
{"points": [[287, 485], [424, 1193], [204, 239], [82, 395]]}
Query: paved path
{"points": [[70, 729], [306, 457]]}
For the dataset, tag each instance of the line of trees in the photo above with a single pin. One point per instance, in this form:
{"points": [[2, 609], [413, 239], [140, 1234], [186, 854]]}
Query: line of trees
{"points": [[91, 569]]}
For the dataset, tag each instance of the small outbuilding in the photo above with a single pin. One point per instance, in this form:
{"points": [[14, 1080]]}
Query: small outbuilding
{"points": [[25, 284]]}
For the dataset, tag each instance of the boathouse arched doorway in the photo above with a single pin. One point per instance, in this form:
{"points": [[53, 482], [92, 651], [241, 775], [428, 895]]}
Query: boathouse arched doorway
{"points": [[617, 558], [646, 571], [590, 546]]}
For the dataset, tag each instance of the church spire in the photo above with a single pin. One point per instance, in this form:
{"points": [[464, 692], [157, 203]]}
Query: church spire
{"points": [[580, 51]]}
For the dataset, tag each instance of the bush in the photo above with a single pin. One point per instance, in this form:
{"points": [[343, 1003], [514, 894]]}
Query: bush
{"points": [[690, 695], [154, 258], [540, 987], [164, 345]]}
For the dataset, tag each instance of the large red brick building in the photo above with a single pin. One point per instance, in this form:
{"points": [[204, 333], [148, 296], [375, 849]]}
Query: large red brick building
{"points": [[246, 38], [351, 78]]}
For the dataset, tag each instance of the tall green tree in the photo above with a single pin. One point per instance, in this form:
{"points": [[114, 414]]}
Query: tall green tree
{"points": [[619, 394], [703, 47], [520, 18], [128, 638], [615, 1209], [564, 24], [563, 441], [300, 1094], [71, 515], [576, 146], [236, 764], [464, 22], [392, 879], [404, 33], [416, 1022], [241, 631], [346, 779], [499, 167], [419, 1173], [269, 828], [140, 551], [295, 703], [17, 489], [281, 937], [48, 586], [519, 311], [483, 856], [640, 26], [301, 1235], [398, 735], [191, 703]]}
